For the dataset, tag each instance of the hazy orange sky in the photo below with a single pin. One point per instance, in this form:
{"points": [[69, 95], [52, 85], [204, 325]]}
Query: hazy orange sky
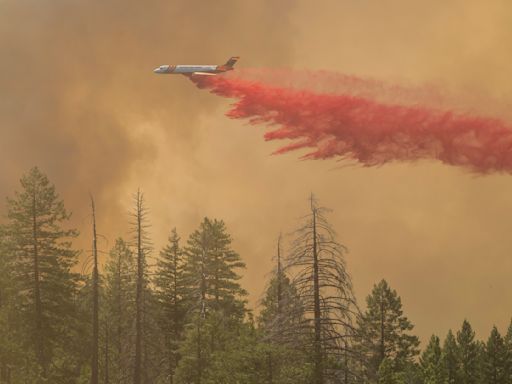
{"points": [[79, 99]]}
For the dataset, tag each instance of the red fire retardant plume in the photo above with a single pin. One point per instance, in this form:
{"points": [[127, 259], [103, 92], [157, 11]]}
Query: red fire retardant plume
{"points": [[362, 129]]}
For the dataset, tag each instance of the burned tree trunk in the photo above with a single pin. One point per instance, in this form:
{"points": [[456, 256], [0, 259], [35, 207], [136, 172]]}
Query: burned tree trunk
{"points": [[142, 246], [140, 291], [279, 279], [318, 371], [316, 263], [95, 303]]}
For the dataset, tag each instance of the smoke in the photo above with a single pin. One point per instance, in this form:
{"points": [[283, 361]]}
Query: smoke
{"points": [[79, 99], [363, 120]]}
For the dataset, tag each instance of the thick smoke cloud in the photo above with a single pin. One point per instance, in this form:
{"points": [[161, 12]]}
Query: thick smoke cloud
{"points": [[77, 92]]}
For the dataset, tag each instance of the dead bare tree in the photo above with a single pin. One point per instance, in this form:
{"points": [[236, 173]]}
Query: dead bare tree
{"points": [[95, 302], [139, 229], [318, 269]]}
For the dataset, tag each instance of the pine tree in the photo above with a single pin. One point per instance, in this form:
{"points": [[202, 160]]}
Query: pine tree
{"points": [[195, 350], [171, 292], [11, 351], [468, 355], [508, 351], [281, 308], [450, 359], [225, 288], [211, 270], [385, 331], [119, 309], [43, 262], [431, 363], [495, 360], [386, 372], [281, 313], [281, 336], [217, 304]]}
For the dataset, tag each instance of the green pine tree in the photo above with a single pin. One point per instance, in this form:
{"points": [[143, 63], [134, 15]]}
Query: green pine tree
{"points": [[495, 360], [385, 331], [387, 372], [196, 349], [118, 311], [468, 355], [217, 303], [282, 310], [280, 321], [11, 350], [508, 351], [431, 363], [171, 293], [211, 270], [43, 262], [449, 358]]}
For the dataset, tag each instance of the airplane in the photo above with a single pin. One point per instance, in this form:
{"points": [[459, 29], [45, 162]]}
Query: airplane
{"points": [[199, 70]]}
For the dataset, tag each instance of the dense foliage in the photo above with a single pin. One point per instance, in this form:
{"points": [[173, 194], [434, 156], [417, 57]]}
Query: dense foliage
{"points": [[184, 319]]}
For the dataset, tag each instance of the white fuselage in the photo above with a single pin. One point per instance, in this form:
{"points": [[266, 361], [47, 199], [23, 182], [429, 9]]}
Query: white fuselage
{"points": [[194, 68], [187, 69], [197, 70]]}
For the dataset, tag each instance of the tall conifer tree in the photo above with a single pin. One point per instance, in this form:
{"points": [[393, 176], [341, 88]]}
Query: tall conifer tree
{"points": [[43, 264], [508, 350], [212, 270], [468, 354], [450, 358], [495, 360], [386, 331], [171, 293], [431, 363]]}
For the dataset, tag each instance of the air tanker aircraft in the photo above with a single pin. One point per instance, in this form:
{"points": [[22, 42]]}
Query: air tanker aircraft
{"points": [[199, 70]]}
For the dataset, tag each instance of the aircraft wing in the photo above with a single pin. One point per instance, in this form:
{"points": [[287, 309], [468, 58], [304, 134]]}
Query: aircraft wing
{"points": [[203, 74]]}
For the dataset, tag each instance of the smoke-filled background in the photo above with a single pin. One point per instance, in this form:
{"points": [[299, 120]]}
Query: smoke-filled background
{"points": [[78, 98]]}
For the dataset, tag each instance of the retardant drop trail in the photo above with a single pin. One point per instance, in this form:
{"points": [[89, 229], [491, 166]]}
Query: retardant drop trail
{"points": [[372, 132]]}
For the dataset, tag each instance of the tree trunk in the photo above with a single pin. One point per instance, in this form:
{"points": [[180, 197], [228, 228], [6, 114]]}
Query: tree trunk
{"points": [[95, 303], [318, 369], [172, 351], [39, 343], [107, 362], [199, 352], [279, 283], [270, 368], [119, 338], [382, 336], [137, 376]]}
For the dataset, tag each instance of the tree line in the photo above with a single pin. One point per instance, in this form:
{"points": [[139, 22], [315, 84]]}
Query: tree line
{"points": [[184, 318]]}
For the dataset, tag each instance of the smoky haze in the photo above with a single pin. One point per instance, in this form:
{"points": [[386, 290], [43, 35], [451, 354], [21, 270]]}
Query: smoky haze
{"points": [[78, 92], [79, 99]]}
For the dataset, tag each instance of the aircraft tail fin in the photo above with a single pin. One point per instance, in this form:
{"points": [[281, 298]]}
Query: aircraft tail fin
{"points": [[232, 61]]}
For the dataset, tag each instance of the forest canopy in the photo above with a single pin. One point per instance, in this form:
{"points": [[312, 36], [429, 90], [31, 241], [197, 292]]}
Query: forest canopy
{"points": [[117, 318]]}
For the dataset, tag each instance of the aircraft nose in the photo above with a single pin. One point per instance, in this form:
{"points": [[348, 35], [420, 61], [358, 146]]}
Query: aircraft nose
{"points": [[156, 70]]}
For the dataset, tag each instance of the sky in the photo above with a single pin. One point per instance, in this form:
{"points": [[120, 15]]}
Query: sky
{"points": [[78, 98]]}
